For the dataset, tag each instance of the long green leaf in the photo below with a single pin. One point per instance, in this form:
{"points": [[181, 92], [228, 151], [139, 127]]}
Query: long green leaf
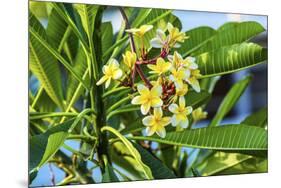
{"points": [[109, 175], [44, 65], [258, 118], [230, 59], [230, 100], [227, 137], [52, 52], [44, 146], [228, 34], [158, 169], [145, 169]]}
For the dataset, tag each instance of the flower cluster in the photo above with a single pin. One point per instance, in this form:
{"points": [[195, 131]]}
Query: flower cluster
{"points": [[175, 76]]}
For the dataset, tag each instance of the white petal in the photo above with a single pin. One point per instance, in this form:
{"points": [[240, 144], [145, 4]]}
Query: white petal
{"points": [[113, 63], [156, 43], [136, 100], [117, 74], [177, 45], [184, 123], [189, 110], [148, 120], [173, 108], [107, 82], [150, 131], [174, 121], [158, 112], [103, 79], [161, 132], [170, 27], [141, 88], [145, 108], [195, 85], [182, 101], [157, 90], [170, 58], [161, 35]]}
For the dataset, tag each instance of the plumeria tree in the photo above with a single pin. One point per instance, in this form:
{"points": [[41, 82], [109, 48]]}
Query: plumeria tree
{"points": [[132, 99]]}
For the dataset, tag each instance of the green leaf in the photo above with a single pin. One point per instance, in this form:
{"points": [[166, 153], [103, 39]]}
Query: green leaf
{"points": [[158, 168], [56, 29], [220, 161], [145, 169], [195, 99], [74, 87], [230, 59], [230, 100], [226, 35], [44, 65], [107, 36], [44, 146], [109, 175], [196, 37], [88, 14], [37, 37], [258, 118], [227, 137]]}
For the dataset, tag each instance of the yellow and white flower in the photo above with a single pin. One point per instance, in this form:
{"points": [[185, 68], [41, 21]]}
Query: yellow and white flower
{"points": [[156, 123], [160, 67], [189, 63], [181, 90], [110, 71], [178, 75], [175, 36], [129, 59], [140, 31], [160, 40], [193, 80], [148, 98], [199, 114], [180, 113], [175, 59]]}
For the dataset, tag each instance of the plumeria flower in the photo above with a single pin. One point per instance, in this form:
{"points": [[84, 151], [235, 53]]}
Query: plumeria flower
{"points": [[161, 40], [189, 63], [140, 31], [129, 59], [182, 90], [180, 113], [110, 71], [199, 114], [176, 59], [178, 75], [160, 67], [156, 123], [175, 36], [193, 80], [148, 98]]}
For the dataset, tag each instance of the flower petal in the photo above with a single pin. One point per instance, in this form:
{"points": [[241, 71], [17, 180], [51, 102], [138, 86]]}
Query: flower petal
{"points": [[182, 101], [102, 80], [158, 113], [161, 35], [142, 89], [161, 132], [188, 110], [137, 100], [174, 121], [150, 130], [148, 120], [173, 108], [152, 67], [117, 74], [156, 91], [145, 108], [107, 82], [195, 85], [166, 121], [156, 43], [156, 102], [184, 123]]}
